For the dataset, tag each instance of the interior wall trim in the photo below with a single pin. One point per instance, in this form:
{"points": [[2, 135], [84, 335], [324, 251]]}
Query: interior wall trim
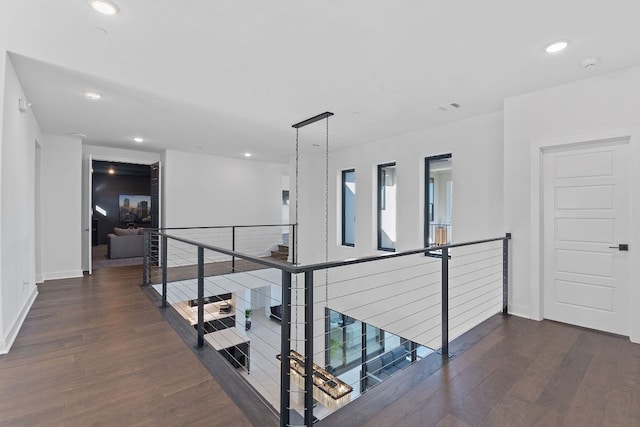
{"points": [[7, 342], [63, 275]]}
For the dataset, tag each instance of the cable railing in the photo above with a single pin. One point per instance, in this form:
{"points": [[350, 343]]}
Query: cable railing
{"points": [[352, 324], [256, 240]]}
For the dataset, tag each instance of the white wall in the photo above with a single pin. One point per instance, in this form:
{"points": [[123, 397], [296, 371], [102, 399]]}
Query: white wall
{"points": [[120, 155], [19, 132], [61, 204], [207, 190], [590, 109], [476, 147], [4, 344], [202, 190]]}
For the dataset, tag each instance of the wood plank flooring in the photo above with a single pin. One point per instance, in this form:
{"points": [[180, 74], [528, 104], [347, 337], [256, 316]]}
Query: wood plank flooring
{"points": [[511, 372], [96, 351]]}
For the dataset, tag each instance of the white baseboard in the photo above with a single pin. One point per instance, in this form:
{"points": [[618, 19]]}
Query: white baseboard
{"points": [[39, 279], [520, 311], [63, 275], [7, 342]]}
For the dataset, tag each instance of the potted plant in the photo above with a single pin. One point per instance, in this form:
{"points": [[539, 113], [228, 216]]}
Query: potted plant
{"points": [[247, 316]]}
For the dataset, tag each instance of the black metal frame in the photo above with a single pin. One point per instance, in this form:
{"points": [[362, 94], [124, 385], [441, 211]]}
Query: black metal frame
{"points": [[308, 270], [312, 120], [344, 193], [327, 341], [427, 175], [382, 204], [152, 237]]}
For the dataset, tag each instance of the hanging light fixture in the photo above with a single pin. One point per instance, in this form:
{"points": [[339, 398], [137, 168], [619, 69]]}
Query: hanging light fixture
{"points": [[329, 390]]}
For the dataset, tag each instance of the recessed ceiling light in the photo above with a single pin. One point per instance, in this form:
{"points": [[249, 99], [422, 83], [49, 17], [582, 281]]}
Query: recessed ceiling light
{"points": [[106, 7], [556, 47], [92, 96], [138, 139], [247, 154]]}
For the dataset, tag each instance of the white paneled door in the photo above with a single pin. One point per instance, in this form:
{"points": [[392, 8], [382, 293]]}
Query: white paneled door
{"points": [[587, 213]]}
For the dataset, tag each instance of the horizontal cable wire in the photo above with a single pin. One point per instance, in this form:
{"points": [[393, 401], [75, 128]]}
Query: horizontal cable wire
{"points": [[382, 272], [472, 281], [472, 272], [469, 263], [466, 254]]}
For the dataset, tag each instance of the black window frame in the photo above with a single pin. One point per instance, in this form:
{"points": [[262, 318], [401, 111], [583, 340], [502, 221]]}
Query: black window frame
{"points": [[337, 370], [427, 177], [382, 203], [344, 173]]}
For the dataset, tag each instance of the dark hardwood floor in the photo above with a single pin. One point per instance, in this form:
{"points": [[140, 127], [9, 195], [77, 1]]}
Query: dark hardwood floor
{"points": [[96, 351], [511, 372]]}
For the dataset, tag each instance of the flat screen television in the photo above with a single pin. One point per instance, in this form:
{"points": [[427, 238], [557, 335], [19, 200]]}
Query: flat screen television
{"points": [[134, 209]]}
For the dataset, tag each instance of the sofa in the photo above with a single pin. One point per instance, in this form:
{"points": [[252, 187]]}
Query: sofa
{"points": [[125, 243], [385, 365], [276, 313]]}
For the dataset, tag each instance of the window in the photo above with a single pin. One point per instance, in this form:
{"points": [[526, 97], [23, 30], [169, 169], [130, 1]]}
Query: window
{"points": [[345, 338], [438, 198], [387, 207], [349, 207]]}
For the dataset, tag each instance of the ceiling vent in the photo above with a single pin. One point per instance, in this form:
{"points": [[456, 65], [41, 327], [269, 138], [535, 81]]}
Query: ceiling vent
{"points": [[449, 107]]}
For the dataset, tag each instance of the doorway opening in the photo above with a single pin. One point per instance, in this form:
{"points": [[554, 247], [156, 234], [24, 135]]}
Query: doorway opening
{"points": [[123, 203]]}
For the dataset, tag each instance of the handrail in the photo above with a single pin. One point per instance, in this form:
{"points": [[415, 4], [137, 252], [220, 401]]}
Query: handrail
{"points": [[295, 269], [287, 270], [332, 264], [220, 226], [269, 263]]}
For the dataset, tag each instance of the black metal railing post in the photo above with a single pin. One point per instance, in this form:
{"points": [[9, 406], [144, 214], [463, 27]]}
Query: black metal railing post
{"points": [[505, 274], [414, 351], [233, 248], [165, 249], [308, 348], [145, 257], [285, 351], [153, 254], [445, 302], [292, 244], [363, 357], [200, 296]]}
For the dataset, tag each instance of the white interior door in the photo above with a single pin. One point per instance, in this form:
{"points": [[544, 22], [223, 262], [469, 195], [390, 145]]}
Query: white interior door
{"points": [[587, 209], [87, 213]]}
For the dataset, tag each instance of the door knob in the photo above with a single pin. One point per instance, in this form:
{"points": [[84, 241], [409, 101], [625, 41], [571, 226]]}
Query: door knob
{"points": [[620, 247]]}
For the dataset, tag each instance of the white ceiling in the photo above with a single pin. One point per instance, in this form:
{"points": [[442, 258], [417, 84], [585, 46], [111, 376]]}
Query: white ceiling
{"points": [[228, 76]]}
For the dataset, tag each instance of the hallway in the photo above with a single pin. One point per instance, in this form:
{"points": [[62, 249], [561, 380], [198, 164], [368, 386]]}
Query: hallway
{"points": [[95, 351]]}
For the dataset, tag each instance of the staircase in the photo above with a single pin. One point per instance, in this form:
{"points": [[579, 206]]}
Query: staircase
{"points": [[281, 254]]}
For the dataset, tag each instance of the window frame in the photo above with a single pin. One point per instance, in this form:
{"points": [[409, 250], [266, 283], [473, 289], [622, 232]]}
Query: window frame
{"points": [[427, 179], [346, 366], [381, 204], [343, 241]]}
